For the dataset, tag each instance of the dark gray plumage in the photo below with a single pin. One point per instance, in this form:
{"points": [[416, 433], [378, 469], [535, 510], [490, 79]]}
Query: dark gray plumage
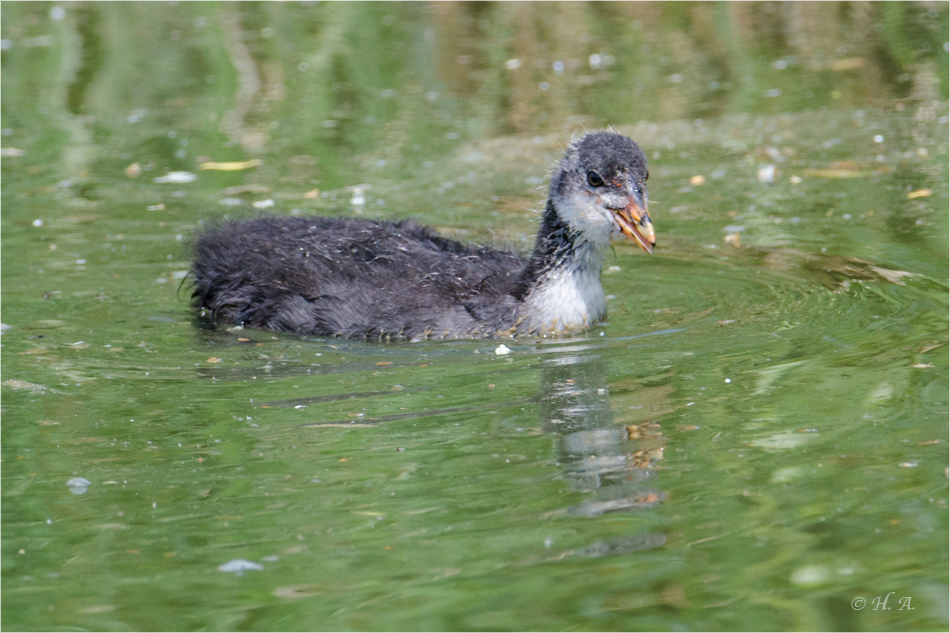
{"points": [[366, 279]]}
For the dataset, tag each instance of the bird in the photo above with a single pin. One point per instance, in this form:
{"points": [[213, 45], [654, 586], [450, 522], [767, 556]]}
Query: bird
{"points": [[378, 280]]}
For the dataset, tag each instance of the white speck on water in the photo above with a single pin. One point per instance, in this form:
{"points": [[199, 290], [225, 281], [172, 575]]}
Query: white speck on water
{"points": [[878, 138], [238, 566], [548, 542], [513, 64], [544, 85], [263, 204], [780, 64], [78, 485], [38, 222], [728, 380], [502, 350], [766, 174], [773, 93], [813, 575], [558, 67], [49, 521], [176, 177], [57, 13]]}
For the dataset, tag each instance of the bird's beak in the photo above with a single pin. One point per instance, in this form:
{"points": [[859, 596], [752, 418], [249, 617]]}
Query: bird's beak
{"points": [[635, 223]]}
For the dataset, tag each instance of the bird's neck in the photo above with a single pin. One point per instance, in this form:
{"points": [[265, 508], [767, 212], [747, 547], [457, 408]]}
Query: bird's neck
{"points": [[560, 286]]}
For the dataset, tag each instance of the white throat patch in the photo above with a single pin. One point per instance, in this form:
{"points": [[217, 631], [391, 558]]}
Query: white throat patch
{"points": [[569, 297]]}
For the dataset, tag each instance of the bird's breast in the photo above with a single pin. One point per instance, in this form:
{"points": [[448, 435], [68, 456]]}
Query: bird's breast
{"points": [[566, 300]]}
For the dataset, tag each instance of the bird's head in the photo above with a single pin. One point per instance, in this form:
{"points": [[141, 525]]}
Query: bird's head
{"points": [[600, 189]]}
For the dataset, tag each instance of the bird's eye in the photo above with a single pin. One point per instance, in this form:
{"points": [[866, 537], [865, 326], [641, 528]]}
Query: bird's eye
{"points": [[594, 179]]}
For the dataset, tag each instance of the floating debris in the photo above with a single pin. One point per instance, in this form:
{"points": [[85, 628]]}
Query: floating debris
{"points": [[133, 170], [176, 177], [837, 173], [813, 575], [502, 350], [920, 193], [893, 276], [847, 63], [231, 166], [22, 384], [358, 199], [238, 566], [78, 485]]}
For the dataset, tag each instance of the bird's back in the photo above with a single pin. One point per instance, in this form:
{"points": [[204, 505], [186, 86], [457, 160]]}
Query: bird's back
{"points": [[354, 278]]}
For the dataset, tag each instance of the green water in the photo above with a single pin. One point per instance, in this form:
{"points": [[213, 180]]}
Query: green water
{"points": [[754, 440]]}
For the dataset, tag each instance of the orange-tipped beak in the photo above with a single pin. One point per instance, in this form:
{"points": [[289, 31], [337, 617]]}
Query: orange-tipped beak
{"points": [[635, 223]]}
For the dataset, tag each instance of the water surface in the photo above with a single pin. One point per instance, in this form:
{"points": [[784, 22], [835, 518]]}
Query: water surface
{"points": [[755, 439]]}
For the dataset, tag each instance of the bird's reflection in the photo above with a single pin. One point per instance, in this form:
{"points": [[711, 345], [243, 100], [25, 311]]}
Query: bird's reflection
{"points": [[616, 464]]}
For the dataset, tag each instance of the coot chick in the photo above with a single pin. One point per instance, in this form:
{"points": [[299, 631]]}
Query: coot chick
{"points": [[367, 279]]}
